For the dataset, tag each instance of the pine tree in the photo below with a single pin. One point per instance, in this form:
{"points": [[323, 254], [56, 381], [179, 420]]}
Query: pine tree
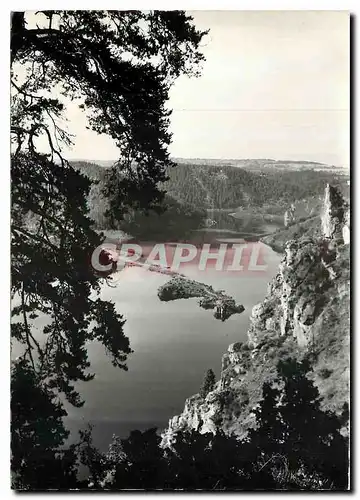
{"points": [[119, 67], [39, 460], [208, 383], [292, 426], [312, 435], [270, 430]]}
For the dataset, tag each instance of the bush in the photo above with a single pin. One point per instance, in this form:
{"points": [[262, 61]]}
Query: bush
{"points": [[208, 383]]}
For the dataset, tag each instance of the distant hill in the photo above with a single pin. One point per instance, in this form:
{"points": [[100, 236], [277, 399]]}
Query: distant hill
{"points": [[257, 164], [262, 164], [99, 163], [226, 186], [222, 189]]}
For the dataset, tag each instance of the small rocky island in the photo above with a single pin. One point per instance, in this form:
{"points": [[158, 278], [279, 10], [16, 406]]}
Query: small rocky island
{"points": [[178, 287]]}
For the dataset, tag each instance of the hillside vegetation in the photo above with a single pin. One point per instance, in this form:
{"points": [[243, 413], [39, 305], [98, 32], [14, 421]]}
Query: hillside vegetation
{"points": [[228, 197], [277, 240], [231, 187], [304, 316]]}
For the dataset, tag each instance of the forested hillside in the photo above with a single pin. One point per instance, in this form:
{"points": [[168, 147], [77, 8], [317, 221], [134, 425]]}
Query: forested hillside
{"points": [[231, 187], [192, 188], [174, 220]]}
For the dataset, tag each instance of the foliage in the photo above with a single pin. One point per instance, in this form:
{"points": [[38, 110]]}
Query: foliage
{"points": [[220, 190], [143, 467], [208, 383], [230, 187], [291, 422], [38, 458], [295, 446], [309, 228], [171, 222], [118, 66], [52, 276]]}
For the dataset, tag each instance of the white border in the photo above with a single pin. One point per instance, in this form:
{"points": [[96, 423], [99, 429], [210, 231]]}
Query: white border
{"points": [[187, 5], [6, 7]]}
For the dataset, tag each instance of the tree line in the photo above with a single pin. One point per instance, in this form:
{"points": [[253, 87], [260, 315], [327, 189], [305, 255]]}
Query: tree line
{"points": [[295, 445], [118, 66]]}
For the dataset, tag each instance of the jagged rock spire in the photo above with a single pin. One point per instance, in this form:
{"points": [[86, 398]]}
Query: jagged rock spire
{"points": [[334, 216], [346, 228]]}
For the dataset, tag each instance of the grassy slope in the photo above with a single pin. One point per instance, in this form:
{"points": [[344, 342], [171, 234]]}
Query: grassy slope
{"points": [[278, 239]]}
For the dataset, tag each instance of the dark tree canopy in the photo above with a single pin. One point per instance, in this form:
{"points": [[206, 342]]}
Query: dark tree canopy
{"points": [[292, 426], [118, 66], [208, 383], [296, 446], [175, 222], [38, 458]]}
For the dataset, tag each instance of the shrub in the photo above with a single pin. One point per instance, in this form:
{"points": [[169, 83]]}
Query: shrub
{"points": [[208, 383]]}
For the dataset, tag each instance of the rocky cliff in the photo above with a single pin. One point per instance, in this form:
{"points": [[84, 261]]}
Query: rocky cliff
{"points": [[318, 217], [305, 312]]}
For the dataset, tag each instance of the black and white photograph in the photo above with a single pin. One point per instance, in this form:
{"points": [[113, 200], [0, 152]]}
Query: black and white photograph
{"points": [[180, 250]]}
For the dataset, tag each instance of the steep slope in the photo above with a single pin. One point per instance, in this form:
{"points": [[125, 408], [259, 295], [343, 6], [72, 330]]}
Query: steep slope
{"points": [[305, 312], [307, 222], [212, 186], [311, 227], [251, 195]]}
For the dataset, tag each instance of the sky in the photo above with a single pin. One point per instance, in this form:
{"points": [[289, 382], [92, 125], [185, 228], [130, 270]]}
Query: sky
{"points": [[275, 84]]}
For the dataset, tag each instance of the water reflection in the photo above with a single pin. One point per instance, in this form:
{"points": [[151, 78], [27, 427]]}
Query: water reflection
{"points": [[174, 344]]}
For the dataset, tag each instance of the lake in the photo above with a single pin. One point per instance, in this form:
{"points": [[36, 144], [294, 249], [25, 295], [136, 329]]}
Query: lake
{"points": [[174, 344]]}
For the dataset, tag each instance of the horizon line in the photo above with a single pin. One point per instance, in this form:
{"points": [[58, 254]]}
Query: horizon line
{"points": [[197, 158]]}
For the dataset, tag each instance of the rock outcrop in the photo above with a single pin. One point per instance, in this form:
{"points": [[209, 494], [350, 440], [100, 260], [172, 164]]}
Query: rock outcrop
{"points": [[334, 215], [330, 219], [346, 228], [289, 216], [178, 287], [306, 310]]}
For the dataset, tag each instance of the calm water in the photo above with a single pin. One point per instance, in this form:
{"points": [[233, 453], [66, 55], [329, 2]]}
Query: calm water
{"points": [[174, 343]]}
